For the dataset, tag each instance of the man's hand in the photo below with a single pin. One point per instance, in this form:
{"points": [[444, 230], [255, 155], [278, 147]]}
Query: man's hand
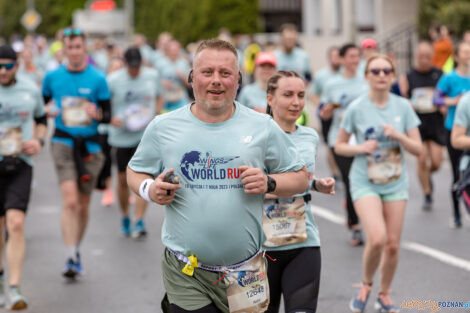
{"points": [[392, 133], [325, 185], [117, 122], [369, 146], [51, 109], [327, 111], [254, 180], [158, 190], [31, 147], [93, 111]]}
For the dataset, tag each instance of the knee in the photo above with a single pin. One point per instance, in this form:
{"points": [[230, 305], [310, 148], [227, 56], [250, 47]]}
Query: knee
{"points": [[392, 248], [377, 243], [15, 224], [435, 166], [71, 205]]}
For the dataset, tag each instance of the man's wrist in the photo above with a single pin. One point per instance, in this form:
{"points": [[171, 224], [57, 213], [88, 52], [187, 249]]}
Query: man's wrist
{"points": [[42, 142], [271, 184], [145, 188]]}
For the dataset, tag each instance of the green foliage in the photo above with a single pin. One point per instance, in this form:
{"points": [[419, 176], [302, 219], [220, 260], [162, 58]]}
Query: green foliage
{"points": [[187, 20], [191, 20], [453, 13]]}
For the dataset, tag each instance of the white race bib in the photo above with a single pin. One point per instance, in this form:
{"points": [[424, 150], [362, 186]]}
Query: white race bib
{"points": [[74, 113], [10, 141], [422, 100], [384, 165], [137, 117]]}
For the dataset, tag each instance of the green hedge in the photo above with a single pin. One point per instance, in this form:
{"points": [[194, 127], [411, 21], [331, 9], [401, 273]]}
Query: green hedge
{"points": [[453, 13]]}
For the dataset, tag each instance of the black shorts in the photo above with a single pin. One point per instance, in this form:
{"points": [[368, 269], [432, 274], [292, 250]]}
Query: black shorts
{"points": [[325, 128], [123, 156], [432, 128], [15, 189]]}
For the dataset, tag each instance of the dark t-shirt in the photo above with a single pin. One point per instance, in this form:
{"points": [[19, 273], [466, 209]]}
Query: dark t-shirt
{"points": [[418, 79]]}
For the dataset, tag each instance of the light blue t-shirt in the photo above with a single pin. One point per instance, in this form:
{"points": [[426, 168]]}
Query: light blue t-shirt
{"points": [[19, 105], [176, 96], [101, 59], [306, 140], [321, 78], [253, 96], [297, 61], [75, 87], [342, 91], [211, 216], [452, 85], [133, 101], [462, 118], [386, 166]]}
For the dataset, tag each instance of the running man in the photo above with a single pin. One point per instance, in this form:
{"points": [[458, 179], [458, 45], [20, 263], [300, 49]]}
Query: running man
{"points": [[222, 153], [254, 95], [338, 93], [21, 107], [384, 125], [134, 94], [419, 85], [78, 97]]}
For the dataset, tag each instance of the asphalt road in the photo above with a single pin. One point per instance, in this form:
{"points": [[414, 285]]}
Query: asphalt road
{"points": [[123, 275]]}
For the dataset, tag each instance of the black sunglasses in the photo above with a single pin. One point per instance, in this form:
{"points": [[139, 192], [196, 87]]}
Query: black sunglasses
{"points": [[376, 71], [69, 31], [7, 66]]}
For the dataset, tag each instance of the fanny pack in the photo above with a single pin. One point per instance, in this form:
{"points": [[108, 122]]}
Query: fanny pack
{"points": [[10, 165]]}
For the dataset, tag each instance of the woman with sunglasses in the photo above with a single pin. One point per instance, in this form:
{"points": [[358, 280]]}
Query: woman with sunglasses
{"points": [[384, 125], [293, 242]]}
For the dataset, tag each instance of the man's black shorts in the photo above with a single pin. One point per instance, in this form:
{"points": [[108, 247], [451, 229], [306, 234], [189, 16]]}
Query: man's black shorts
{"points": [[432, 128], [15, 189], [123, 156]]}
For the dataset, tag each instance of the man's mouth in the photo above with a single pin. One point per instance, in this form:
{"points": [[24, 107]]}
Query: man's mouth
{"points": [[216, 92]]}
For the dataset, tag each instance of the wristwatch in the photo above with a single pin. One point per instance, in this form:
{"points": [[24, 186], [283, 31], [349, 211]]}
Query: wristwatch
{"points": [[271, 184], [41, 141]]}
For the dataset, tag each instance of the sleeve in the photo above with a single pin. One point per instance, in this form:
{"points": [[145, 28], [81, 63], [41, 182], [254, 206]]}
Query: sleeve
{"points": [[103, 90], [411, 118], [39, 110], [462, 117], [281, 153], [348, 121], [325, 96], [46, 89], [147, 158], [443, 84]]}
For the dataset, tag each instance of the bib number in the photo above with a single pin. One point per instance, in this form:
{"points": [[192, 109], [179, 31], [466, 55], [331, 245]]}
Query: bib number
{"points": [[248, 290], [74, 113], [137, 117], [284, 222], [10, 141], [422, 100], [384, 165]]}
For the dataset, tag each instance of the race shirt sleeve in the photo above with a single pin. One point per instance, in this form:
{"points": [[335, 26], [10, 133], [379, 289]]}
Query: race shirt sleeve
{"points": [[411, 120], [147, 158], [443, 84], [348, 121], [103, 90], [39, 110], [462, 116], [281, 153], [46, 90]]}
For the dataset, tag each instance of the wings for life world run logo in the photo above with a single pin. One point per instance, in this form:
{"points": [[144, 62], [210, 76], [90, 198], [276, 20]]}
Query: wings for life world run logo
{"points": [[198, 167], [246, 278]]}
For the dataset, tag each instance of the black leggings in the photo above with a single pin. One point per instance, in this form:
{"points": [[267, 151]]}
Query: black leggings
{"points": [[454, 156], [168, 307], [296, 274], [106, 169], [344, 165]]}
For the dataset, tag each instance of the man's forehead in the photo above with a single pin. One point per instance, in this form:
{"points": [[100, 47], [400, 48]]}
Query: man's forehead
{"points": [[215, 58]]}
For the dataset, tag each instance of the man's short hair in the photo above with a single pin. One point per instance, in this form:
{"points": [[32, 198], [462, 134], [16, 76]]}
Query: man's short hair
{"points": [[288, 27], [344, 49], [216, 44]]}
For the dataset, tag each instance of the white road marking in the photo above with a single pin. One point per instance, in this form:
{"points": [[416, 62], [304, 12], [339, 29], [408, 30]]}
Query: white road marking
{"points": [[408, 245]]}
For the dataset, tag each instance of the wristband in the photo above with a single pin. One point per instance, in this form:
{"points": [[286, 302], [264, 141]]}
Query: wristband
{"points": [[314, 185], [41, 141], [144, 189]]}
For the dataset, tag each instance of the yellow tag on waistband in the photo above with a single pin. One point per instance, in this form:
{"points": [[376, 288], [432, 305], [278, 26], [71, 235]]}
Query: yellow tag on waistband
{"points": [[188, 269]]}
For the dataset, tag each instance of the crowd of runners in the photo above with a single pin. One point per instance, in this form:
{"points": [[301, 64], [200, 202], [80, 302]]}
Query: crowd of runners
{"points": [[221, 138]]}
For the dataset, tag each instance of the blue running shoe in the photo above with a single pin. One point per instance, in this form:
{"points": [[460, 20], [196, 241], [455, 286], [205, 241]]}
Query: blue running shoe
{"points": [[78, 265], [139, 230], [126, 226], [358, 303], [69, 270], [384, 303]]}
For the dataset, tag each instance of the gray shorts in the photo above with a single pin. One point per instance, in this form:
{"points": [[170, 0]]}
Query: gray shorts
{"points": [[62, 156]]}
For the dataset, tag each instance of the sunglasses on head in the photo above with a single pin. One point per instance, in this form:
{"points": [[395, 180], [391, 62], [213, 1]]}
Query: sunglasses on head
{"points": [[7, 66], [69, 31], [376, 71]]}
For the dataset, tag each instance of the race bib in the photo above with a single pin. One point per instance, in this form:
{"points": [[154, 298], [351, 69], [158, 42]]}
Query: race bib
{"points": [[137, 117], [284, 222], [422, 100], [248, 290], [174, 94], [74, 113], [10, 141], [384, 165]]}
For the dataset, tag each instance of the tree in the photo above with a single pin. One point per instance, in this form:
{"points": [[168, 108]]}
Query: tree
{"points": [[453, 13]]}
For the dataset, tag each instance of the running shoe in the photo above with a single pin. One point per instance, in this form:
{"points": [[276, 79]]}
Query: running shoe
{"points": [[356, 239], [384, 304], [427, 205], [17, 300], [139, 230], [72, 269], [126, 226], [359, 301], [2, 291], [455, 222], [108, 197]]}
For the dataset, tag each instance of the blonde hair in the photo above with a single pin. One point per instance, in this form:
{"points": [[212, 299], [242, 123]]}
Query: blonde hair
{"points": [[376, 56]]}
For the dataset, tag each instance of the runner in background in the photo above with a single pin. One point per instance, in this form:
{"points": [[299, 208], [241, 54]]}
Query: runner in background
{"points": [[338, 93], [293, 240], [419, 86], [368, 48], [450, 88], [254, 95], [384, 125]]}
